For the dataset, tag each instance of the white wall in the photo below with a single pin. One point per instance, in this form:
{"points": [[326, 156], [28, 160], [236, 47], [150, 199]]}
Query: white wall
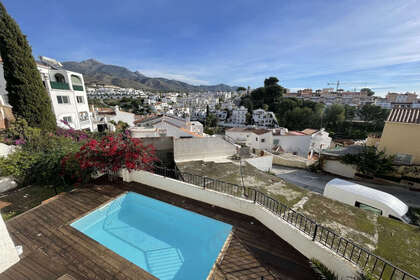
{"points": [[295, 144], [264, 163], [3, 91], [287, 232], [339, 168], [8, 253], [205, 148]]}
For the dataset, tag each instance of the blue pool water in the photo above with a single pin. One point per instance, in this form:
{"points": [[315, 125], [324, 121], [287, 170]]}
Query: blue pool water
{"points": [[167, 241]]}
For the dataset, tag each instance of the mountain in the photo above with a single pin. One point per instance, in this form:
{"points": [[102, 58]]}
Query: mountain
{"points": [[97, 72]]}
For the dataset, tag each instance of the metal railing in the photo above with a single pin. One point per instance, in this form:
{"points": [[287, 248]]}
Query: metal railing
{"points": [[77, 87], [356, 254], [57, 85]]}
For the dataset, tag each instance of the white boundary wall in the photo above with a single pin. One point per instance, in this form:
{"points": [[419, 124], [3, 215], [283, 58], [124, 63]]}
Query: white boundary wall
{"points": [[8, 253], [287, 232], [264, 163]]}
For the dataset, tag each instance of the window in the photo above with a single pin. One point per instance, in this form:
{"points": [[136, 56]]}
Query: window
{"points": [[403, 158], [75, 80], [83, 116], [80, 99], [59, 78], [262, 140], [67, 119], [63, 99], [368, 207], [276, 141], [256, 138]]}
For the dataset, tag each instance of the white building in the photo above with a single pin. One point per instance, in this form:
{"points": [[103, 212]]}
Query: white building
{"points": [[302, 143], [104, 116], [67, 93], [239, 115], [255, 138], [6, 115], [263, 118], [165, 125], [221, 115]]}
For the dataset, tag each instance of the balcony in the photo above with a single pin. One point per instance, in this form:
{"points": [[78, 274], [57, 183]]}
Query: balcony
{"points": [[78, 88], [57, 85]]}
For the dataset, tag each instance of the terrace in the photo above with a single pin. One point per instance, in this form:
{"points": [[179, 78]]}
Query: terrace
{"points": [[52, 249]]}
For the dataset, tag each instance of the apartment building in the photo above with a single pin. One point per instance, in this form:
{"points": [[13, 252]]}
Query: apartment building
{"points": [[239, 115], [67, 92], [6, 115], [263, 118]]}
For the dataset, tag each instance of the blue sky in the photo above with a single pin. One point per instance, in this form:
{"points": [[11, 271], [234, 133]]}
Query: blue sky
{"points": [[239, 42]]}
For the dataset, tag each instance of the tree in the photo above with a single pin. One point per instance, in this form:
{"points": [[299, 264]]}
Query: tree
{"points": [[370, 161], [350, 112], [211, 120], [240, 89], [265, 107], [26, 91], [373, 113], [368, 91], [270, 81], [334, 115]]}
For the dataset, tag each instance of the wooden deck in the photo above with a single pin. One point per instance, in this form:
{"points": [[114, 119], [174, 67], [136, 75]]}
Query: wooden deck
{"points": [[53, 249]]}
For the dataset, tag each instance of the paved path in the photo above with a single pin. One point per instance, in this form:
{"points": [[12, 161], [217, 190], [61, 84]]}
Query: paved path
{"points": [[316, 183]]}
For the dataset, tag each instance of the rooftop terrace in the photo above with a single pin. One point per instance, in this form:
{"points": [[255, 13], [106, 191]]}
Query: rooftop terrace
{"points": [[53, 249]]}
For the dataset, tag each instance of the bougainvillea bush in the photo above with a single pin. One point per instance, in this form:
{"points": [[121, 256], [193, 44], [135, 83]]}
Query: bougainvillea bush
{"points": [[113, 152]]}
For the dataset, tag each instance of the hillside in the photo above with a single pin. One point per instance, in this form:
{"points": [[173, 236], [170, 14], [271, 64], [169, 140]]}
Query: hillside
{"points": [[97, 72]]}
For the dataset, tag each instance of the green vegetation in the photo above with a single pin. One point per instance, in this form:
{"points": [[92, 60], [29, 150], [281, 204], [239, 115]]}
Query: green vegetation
{"points": [[322, 270], [133, 105], [395, 237], [26, 92], [370, 161], [37, 160], [298, 114]]}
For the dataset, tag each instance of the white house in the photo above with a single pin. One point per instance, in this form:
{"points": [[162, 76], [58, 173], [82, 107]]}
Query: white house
{"points": [[104, 116], [302, 143], [263, 118], [255, 138], [239, 115], [67, 92]]}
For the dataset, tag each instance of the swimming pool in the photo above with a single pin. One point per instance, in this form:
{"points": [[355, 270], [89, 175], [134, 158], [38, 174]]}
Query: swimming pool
{"points": [[167, 241]]}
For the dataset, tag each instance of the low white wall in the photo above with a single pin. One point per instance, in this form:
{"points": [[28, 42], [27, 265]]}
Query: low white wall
{"points": [[206, 148], [8, 253], [287, 232], [339, 168], [264, 163]]}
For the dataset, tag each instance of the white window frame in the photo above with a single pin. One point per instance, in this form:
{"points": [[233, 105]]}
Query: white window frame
{"points": [[68, 117], [82, 98], [60, 99]]}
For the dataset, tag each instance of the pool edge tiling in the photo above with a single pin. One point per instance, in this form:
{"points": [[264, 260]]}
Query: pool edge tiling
{"points": [[167, 241]]}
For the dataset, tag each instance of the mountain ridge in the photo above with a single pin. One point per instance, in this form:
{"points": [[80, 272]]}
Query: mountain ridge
{"points": [[96, 72]]}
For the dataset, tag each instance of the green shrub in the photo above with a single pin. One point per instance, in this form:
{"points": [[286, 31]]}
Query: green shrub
{"points": [[39, 155], [18, 165]]}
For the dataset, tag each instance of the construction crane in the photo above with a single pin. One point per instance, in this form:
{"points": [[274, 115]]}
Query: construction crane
{"points": [[338, 83]]}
